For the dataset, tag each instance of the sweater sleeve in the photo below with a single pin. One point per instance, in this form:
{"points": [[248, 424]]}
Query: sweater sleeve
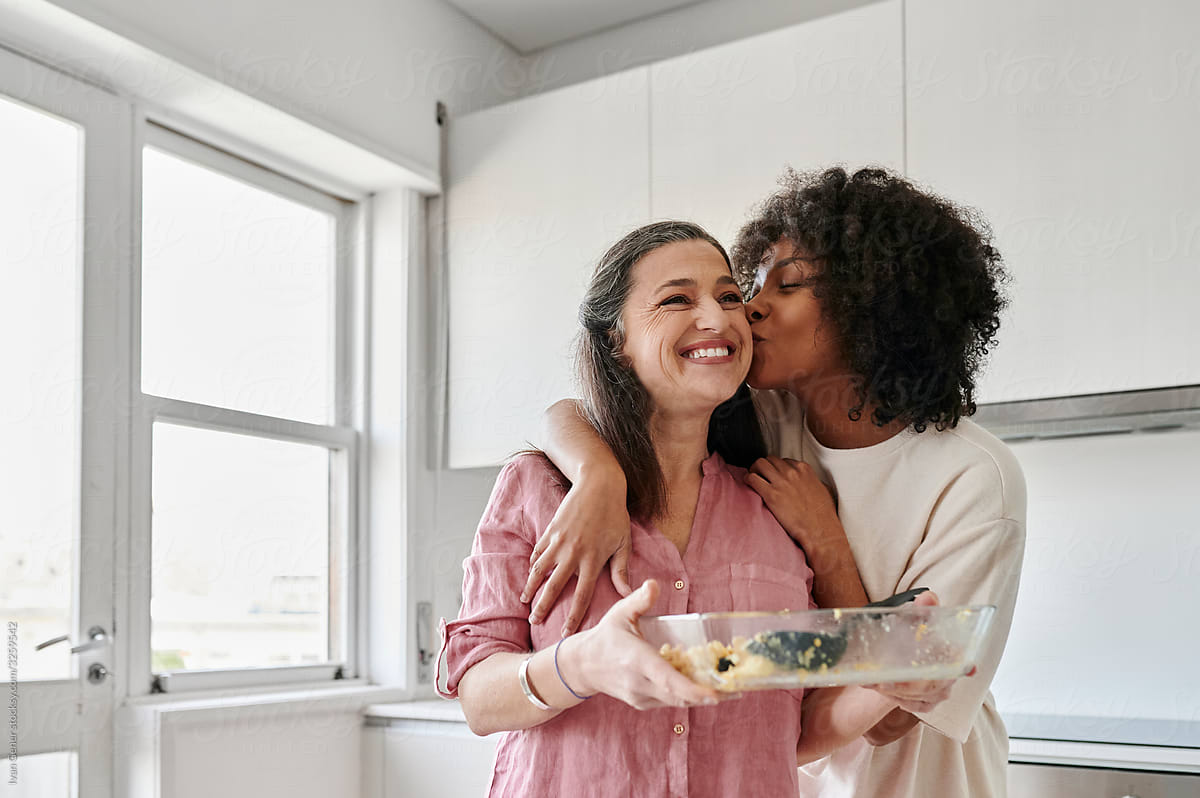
{"points": [[972, 554]]}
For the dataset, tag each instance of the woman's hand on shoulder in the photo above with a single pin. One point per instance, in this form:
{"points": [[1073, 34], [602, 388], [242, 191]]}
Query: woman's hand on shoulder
{"points": [[799, 500], [613, 658], [590, 527]]}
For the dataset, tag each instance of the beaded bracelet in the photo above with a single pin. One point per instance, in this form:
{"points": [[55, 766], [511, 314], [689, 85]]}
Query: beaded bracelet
{"points": [[560, 676]]}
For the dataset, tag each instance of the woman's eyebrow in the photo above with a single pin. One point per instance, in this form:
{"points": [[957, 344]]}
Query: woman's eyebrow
{"points": [[688, 282], [685, 282]]}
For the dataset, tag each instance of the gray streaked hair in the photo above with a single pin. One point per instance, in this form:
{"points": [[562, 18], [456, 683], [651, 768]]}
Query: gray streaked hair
{"points": [[614, 400]]}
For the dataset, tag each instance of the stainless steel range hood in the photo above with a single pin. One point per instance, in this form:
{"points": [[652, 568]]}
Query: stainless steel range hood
{"points": [[1093, 414]]}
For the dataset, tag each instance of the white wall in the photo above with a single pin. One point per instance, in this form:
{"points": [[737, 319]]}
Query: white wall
{"points": [[1103, 624], [370, 71], [458, 499], [422, 516]]}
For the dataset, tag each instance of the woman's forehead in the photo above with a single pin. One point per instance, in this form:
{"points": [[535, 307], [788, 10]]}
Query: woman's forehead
{"points": [[784, 252], [677, 263], [783, 259]]}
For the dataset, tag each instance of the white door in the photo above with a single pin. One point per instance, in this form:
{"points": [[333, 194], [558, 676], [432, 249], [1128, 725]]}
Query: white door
{"points": [[64, 244]]}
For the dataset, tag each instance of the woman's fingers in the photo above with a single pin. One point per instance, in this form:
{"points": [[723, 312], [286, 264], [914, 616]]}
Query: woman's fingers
{"points": [[619, 568], [589, 572], [760, 486], [542, 544], [590, 524], [765, 468], [563, 571], [541, 563], [631, 670], [669, 686], [926, 599], [917, 697], [918, 691], [639, 602]]}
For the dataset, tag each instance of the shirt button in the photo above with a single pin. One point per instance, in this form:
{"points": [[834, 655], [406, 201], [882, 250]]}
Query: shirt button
{"points": [[679, 584], [679, 728]]}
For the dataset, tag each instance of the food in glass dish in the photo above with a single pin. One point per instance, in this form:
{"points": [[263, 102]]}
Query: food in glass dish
{"points": [[818, 648]]}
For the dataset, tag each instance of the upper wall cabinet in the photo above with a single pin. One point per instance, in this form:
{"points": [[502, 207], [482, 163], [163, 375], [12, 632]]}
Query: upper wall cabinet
{"points": [[538, 189], [1072, 126], [726, 121]]}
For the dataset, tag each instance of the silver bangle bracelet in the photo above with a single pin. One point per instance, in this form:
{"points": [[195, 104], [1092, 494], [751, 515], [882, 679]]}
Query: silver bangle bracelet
{"points": [[523, 677]]}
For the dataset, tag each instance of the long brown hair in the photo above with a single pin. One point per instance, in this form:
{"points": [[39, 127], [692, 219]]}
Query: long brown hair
{"points": [[614, 400]]}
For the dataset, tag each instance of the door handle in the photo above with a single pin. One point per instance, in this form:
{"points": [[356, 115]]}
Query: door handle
{"points": [[96, 637]]}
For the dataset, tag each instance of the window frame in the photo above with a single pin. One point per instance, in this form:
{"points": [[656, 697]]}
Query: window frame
{"points": [[343, 438]]}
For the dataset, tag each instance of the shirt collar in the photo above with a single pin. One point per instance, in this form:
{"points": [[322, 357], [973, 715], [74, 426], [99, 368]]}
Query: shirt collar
{"points": [[713, 464]]}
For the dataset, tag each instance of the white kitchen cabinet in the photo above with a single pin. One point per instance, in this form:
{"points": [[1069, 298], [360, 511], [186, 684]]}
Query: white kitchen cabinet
{"points": [[428, 758], [538, 189], [1072, 126], [424, 749], [727, 120]]}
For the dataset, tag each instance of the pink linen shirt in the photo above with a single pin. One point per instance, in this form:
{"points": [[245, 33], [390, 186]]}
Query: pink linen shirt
{"points": [[737, 558]]}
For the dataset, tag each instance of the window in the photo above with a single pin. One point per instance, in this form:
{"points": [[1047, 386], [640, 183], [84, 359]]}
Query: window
{"points": [[185, 337], [247, 474]]}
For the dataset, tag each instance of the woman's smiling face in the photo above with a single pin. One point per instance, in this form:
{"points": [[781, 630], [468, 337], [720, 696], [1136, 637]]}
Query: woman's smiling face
{"points": [[686, 332], [793, 349]]}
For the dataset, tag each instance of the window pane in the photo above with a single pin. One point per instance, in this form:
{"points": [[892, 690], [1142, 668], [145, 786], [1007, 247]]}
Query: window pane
{"points": [[49, 775], [240, 551], [237, 295], [40, 161]]}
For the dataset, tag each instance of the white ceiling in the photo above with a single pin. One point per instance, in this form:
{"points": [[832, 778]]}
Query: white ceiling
{"points": [[530, 25]]}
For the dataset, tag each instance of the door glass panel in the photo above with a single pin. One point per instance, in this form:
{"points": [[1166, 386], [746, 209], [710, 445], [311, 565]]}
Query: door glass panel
{"points": [[40, 213], [237, 293], [240, 551]]}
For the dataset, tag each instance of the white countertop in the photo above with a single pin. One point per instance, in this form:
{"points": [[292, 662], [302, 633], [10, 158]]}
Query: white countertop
{"points": [[436, 709], [1040, 751]]}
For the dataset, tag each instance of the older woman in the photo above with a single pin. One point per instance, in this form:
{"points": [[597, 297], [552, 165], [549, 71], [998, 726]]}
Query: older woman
{"points": [[665, 344]]}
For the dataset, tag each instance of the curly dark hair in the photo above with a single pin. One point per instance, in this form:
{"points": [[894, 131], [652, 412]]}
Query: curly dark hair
{"points": [[909, 280]]}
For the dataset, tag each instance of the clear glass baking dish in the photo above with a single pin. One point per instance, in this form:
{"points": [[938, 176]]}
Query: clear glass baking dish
{"points": [[734, 651]]}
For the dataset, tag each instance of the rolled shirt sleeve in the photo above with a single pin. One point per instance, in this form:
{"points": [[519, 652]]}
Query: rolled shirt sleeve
{"points": [[492, 619]]}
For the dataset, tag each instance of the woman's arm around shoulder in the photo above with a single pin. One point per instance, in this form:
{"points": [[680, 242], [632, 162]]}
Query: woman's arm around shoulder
{"points": [[591, 526]]}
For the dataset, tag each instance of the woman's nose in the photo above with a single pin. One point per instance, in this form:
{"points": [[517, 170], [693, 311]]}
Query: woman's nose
{"points": [[755, 310], [712, 316]]}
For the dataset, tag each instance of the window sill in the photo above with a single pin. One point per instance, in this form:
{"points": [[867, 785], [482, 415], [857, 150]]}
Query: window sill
{"points": [[349, 691]]}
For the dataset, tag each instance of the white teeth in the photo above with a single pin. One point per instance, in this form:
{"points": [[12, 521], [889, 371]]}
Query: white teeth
{"points": [[719, 351]]}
